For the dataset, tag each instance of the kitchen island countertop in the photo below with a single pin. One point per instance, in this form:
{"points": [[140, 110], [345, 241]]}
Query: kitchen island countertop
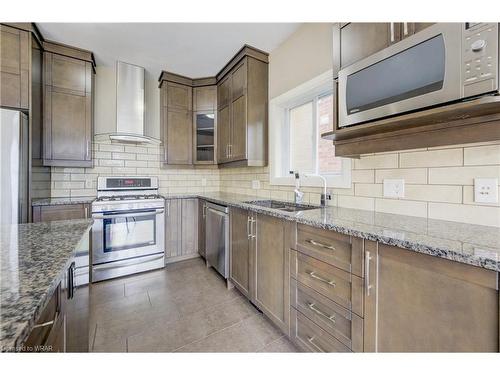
{"points": [[34, 258]]}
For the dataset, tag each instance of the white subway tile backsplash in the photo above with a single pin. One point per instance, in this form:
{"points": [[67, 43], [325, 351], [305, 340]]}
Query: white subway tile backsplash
{"points": [[461, 175], [434, 193], [481, 215], [376, 161], [410, 175], [482, 155], [401, 207], [360, 203], [436, 183], [436, 158]]}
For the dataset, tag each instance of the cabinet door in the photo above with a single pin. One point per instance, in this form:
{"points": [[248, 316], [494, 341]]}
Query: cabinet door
{"points": [[204, 98], [67, 111], [362, 39], [223, 134], [189, 241], [239, 258], [60, 212], [14, 67], [179, 97], [239, 81], [224, 92], [201, 227], [238, 144], [173, 228], [419, 303], [179, 137], [272, 271]]}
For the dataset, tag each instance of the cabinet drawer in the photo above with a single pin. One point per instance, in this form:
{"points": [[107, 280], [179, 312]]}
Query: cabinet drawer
{"points": [[338, 285], [311, 337], [337, 249], [333, 318]]}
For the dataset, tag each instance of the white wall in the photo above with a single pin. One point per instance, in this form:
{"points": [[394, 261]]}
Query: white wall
{"points": [[304, 55]]}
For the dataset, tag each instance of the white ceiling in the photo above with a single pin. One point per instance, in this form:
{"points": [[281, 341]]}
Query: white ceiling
{"points": [[191, 49]]}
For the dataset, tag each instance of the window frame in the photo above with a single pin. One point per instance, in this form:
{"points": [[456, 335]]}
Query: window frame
{"points": [[279, 134]]}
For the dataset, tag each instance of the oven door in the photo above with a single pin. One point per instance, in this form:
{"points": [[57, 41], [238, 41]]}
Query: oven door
{"points": [[420, 71], [119, 235]]}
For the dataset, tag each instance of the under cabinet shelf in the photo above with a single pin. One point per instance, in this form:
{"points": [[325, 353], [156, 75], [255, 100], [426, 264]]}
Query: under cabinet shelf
{"points": [[476, 120]]}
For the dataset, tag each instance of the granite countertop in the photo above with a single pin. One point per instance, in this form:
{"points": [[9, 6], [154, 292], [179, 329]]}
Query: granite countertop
{"points": [[63, 200], [34, 258], [476, 245]]}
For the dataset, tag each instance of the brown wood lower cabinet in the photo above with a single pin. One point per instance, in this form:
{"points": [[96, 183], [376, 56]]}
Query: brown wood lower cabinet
{"points": [[181, 229], [271, 267], [60, 212], [239, 256], [419, 303], [63, 325]]}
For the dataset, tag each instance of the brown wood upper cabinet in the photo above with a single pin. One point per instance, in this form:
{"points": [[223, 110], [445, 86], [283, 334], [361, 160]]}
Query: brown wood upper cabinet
{"points": [[419, 303], [15, 61], [176, 123], [353, 41], [68, 109], [242, 113]]}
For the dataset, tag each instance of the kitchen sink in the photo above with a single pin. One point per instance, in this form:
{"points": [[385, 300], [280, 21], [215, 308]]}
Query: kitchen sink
{"points": [[283, 206]]}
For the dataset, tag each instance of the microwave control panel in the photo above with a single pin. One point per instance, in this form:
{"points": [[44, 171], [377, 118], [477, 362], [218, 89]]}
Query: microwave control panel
{"points": [[479, 58]]}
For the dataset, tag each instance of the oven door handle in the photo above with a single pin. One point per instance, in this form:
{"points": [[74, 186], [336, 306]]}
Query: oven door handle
{"points": [[117, 216], [112, 265]]}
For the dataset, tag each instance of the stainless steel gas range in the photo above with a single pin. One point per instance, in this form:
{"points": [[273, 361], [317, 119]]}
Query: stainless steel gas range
{"points": [[128, 230]]}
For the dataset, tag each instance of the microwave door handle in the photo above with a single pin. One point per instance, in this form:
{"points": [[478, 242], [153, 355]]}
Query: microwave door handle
{"points": [[113, 216]]}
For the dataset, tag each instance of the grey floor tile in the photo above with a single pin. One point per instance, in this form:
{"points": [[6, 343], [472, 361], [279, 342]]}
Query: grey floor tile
{"points": [[282, 345], [184, 307]]}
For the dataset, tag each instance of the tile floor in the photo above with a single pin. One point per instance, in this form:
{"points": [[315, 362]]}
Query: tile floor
{"points": [[182, 308]]}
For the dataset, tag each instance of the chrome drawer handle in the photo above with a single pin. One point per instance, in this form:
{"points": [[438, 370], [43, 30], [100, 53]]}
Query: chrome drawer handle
{"points": [[311, 341], [319, 312], [316, 243], [314, 276]]}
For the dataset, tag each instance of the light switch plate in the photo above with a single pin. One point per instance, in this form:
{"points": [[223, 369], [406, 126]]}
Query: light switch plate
{"points": [[255, 184], [394, 188], [203, 182], [486, 190]]}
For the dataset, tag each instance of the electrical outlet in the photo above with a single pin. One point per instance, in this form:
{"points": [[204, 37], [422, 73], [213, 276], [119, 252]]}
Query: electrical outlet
{"points": [[394, 188], [203, 182], [255, 184], [486, 190]]}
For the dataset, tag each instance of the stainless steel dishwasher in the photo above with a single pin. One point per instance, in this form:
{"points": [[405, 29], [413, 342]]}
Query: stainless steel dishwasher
{"points": [[217, 237]]}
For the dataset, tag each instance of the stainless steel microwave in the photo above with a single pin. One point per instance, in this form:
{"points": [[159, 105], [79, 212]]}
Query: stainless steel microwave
{"points": [[444, 63]]}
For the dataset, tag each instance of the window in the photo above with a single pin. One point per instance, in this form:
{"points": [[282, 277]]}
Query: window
{"points": [[297, 120]]}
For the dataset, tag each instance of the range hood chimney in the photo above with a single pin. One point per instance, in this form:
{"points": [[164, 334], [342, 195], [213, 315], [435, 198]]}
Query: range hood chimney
{"points": [[130, 105]]}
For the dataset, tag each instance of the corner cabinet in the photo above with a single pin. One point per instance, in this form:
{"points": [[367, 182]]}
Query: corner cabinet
{"points": [[68, 83], [242, 98]]}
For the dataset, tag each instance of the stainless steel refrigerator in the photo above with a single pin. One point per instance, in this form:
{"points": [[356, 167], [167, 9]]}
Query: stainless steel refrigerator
{"points": [[14, 164]]}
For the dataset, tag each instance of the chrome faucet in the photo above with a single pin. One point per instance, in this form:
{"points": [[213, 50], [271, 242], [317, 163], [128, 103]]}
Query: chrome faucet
{"points": [[324, 196], [298, 195]]}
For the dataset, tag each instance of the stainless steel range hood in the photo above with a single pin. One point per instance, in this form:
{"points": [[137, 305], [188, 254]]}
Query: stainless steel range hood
{"points": [[130, 105]]}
